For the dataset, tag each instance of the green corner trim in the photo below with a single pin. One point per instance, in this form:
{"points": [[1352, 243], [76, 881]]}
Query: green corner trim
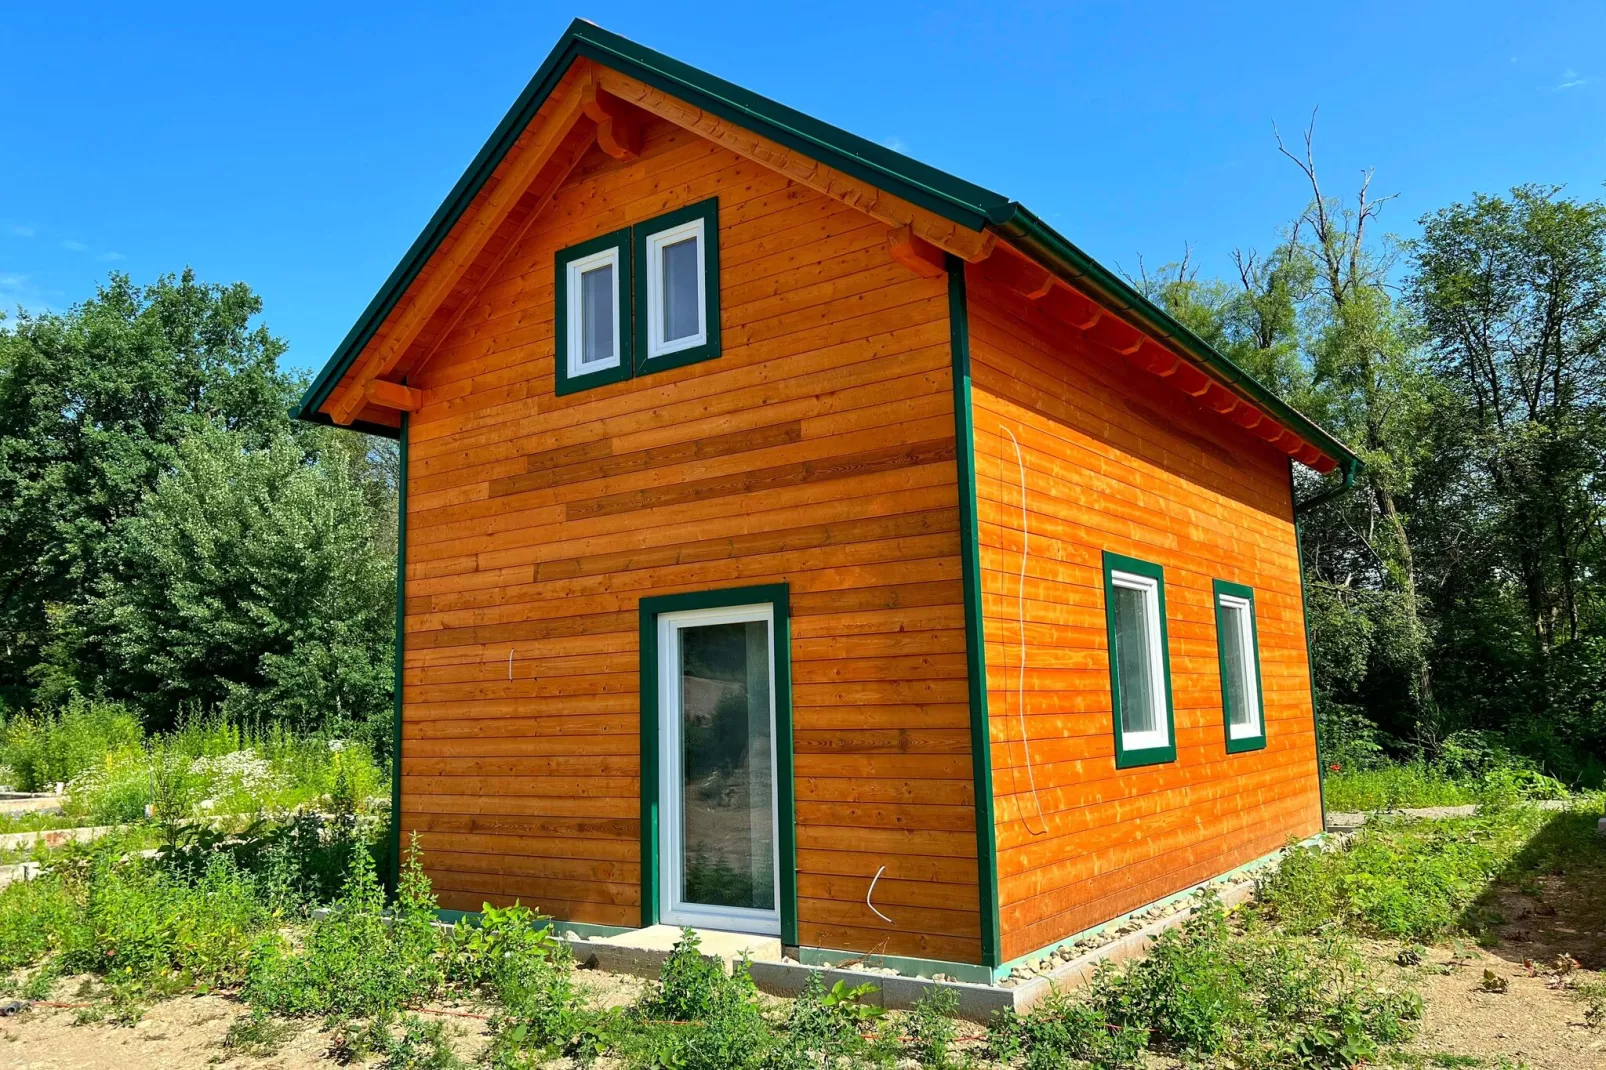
{"points": [[1125, 758], [981, 752], [1238, 590], [778, 595], [563, 381], [393, 876], [1304, 613], [708, 212]]}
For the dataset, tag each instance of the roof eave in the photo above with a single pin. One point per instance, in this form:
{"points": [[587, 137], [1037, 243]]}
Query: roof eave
{"points": [[1026, 232]]}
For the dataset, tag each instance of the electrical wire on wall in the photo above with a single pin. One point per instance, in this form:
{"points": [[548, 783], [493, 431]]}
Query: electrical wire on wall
{"points": [[1020, 629]]}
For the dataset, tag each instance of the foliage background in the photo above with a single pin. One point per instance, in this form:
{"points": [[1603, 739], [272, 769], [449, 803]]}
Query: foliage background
{"points": [[170, 540]]}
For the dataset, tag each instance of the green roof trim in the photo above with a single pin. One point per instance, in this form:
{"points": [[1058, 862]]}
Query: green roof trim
{"points": [[961, 202]]}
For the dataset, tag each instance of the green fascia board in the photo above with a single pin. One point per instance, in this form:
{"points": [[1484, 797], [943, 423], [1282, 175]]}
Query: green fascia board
{"points": [[1238, 590], [950, 197], [1125, 758], [778, 595], [981, 752]]}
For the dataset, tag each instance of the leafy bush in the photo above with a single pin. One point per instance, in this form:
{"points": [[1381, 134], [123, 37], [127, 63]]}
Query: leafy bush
{"points": [[45, 749], [697, 1017], [356, 961], [823, 1026], [1212, 993], [149, 931], [1407, 880]]}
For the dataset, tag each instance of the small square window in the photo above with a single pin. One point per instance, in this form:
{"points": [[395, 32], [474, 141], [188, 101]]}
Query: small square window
{"points": [[677, 291], [1242, 706], [591, 299], [1140, 677]]}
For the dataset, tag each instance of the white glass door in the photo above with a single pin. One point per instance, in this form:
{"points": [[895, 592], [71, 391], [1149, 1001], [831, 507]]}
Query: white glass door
{"points": [[716, 776]]}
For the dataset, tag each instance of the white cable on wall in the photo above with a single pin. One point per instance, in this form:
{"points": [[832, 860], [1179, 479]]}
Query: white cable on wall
{"points": [[871, 892], [1020, 627]]}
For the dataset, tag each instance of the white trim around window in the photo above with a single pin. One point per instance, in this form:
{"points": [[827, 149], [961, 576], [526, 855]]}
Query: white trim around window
{"points": [[1238, 615], [577, 270], [657, 344], [1159, 735]]}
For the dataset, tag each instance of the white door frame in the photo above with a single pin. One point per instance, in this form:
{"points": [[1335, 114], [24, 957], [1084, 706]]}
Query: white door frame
{"points": [[671, 908]]}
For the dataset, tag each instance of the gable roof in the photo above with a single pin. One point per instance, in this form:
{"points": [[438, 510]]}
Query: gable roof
{"points": [[962, 203]]}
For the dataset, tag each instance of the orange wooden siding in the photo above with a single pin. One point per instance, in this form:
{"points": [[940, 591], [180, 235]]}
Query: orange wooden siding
{"points": [[818, 450], [1114, 461]]}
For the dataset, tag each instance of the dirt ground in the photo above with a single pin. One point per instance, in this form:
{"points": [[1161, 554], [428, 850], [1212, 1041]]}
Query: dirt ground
{"points": [[1501, 1005], [188, 1033]]}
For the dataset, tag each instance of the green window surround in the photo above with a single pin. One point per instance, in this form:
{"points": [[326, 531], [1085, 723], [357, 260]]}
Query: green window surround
{"points": [[1243, 703], [777, 596], [591, 313], [677, 287], [639, 300], [1140, 662]]}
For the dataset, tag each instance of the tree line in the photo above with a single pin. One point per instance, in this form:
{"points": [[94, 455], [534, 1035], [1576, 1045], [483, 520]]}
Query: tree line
{"points": [[1458, 588], [169, 539]]}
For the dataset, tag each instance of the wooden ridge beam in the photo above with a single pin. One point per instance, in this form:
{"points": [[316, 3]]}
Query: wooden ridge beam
{"points": [[471, 235], [389, 395], [619, 125], [970, 245], [916, 253], [1018, 275]]}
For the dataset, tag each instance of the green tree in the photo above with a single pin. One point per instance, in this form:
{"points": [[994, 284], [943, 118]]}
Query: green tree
{"points": [[252, 578], [1370, 387], [1512, 293], [93, 405]]}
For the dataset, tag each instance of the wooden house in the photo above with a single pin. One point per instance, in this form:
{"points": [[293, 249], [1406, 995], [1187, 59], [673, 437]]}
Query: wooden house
{"points": [[800, 540]]}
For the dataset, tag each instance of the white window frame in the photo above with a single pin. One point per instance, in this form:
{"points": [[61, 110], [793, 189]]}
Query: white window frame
{"points": [[574, 270], [1246, 640], [672, 908], [654, 246], [1160, 736]]}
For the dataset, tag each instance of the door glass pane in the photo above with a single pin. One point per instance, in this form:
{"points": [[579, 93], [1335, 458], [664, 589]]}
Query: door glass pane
{"points": [[1132, 661], [1234, 621], [728, 815], [680, 290], [596, 314]]}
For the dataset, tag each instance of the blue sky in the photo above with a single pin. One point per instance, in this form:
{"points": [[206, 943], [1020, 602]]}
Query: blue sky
{"points": [[300, 148]]}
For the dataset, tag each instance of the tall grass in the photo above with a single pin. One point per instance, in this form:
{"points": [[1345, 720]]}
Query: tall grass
{"points": [[114, 773]]}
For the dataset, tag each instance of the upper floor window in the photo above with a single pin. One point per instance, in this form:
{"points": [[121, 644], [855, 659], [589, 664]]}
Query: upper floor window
{"points": [[677, 291], [1237, 640], [1140, 673], [591, 296], [638, 300]]}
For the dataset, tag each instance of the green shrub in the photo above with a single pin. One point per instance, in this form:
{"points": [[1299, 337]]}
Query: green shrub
{"points": [[1406, 880], [355, 961], [931, 1029], [1209, 992], [823, 1026], [513, 956], [697, 1017], [42, 750]]}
